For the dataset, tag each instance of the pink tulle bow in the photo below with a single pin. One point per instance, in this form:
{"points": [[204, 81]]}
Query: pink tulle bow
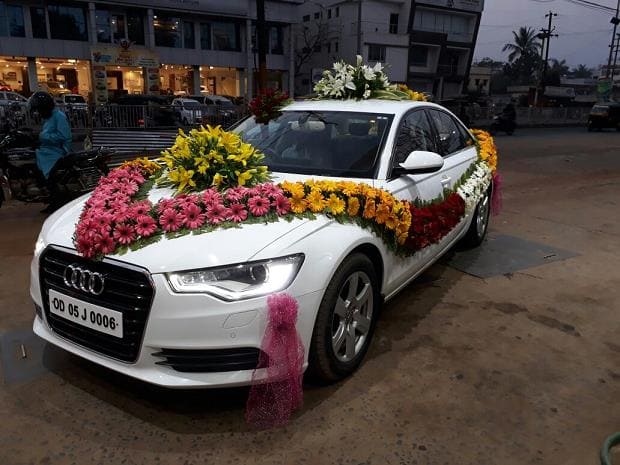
{"points": [[275, 396], [496, 197]]}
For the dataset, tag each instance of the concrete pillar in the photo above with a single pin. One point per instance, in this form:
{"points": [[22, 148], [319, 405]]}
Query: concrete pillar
{"points": [[150, 29], [33, 81], [92, 23], [249, 67], [291, 63], [196, 80]]}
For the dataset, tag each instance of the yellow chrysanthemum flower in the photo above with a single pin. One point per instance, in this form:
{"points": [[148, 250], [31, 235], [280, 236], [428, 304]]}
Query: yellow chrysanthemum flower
{"points": [[353, 206], [335, 204], [296, 189], [369, 209], [349, 188], [298, 205], [391, 222], [315, 201], [382, 213]]}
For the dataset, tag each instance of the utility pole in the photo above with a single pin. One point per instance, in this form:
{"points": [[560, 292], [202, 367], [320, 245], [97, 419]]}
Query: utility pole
{"points": [[359, 27], [613, 69], [261, 38], [549, 34], [545, 35], [615, 21]]}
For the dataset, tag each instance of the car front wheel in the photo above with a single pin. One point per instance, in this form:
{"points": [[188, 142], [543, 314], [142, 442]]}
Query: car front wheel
{"points": [[345, 320], [480, 222]]}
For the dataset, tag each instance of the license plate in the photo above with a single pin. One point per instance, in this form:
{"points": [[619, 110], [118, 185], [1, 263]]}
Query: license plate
{"points": [[86, 314]]}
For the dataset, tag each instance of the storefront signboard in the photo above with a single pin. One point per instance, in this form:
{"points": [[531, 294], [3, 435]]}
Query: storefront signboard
{"points": [[100, 81], [124, 55], [152, 81]]}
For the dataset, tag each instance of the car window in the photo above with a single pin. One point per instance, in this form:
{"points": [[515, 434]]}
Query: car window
{"points": [[414, 134], [449, 137]]}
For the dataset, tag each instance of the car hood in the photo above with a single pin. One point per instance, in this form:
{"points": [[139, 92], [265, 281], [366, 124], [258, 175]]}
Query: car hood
{"points": [[219, 247]]}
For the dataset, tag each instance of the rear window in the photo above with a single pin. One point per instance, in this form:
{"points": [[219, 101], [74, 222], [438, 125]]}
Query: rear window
{"points": [[600, 109], [74, 99]]}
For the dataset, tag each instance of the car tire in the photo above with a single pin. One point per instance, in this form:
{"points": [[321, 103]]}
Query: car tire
{"points": [[479, 226], [345, 321]]}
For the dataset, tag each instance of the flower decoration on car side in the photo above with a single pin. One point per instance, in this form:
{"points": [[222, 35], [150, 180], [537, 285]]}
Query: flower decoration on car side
{"points": [[412, 94], [211, 157], [267, 105]]}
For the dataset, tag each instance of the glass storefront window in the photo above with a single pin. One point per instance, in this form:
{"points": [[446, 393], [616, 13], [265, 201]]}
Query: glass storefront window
{"points": [[39, 25], [167, 31], [275, 40], [104, 32], [67, 22], [118, 27], [188, 34], [205, 36], [135, 27], [225, 36], [16, 21]]}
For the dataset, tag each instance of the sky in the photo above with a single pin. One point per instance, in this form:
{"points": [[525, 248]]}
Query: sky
{"points": [[584, 33]]}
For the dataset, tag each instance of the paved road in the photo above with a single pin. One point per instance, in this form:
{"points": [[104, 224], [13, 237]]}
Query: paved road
{"points": [[514, 369]]}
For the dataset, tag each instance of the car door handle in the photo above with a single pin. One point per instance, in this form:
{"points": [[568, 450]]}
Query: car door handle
{"points": [[445, 180]]}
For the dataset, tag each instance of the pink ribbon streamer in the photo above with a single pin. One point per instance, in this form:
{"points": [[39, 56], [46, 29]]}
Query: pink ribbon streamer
{"points": [[496, 196], [275, 397]]}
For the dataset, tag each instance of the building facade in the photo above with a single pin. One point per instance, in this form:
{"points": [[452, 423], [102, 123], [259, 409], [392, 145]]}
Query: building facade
{"points": [[103, 49], [428, 44]]}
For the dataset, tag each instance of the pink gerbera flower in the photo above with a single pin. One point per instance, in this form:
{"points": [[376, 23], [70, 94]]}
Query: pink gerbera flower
{"points": [[165, 204], [141, 208], [124, 234], [236, 194], [282, 204], [170, 220], [102, 222], [258, 205], [211, 197], [217, 213], [145, 225], [237, 212], [105, 244], [193, 217]]}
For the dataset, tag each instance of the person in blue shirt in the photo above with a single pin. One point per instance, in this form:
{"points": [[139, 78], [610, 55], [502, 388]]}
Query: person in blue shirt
{"points": [[55, 141]]}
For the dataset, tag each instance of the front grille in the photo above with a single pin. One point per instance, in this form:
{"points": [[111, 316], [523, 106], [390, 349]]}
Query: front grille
{"points": [[209, 360], [127, 290]]}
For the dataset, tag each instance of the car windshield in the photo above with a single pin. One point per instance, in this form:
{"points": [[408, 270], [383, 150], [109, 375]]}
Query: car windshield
{"points": [[322, 143], [190, 103], [74, 99], [224, 103], [53, 85]]}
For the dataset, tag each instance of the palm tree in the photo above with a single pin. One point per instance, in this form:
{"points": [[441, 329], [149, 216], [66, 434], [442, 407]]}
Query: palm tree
{"points": [[582, 71], [559, 67], [525, 44]]}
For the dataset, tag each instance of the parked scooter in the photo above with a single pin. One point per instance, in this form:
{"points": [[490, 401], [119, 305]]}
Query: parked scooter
{"points": [[75, 174]]}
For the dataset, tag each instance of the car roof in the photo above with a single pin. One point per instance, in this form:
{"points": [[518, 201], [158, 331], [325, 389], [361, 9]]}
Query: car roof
{"points": [[396, 107], [185, 99]]}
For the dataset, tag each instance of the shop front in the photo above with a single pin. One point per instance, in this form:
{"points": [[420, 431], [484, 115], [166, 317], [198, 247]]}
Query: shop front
{"points": [[55, 75], [121, 70]]}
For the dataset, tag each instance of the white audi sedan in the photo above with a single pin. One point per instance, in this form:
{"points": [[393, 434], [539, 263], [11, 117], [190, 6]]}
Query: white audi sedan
{"points": [[191, 311]]}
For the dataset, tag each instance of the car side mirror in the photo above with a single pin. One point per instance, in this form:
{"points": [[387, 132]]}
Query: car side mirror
{"points": [[420, 162]]}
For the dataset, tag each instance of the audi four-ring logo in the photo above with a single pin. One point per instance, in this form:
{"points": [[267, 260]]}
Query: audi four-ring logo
{"points": [[84, 279]]}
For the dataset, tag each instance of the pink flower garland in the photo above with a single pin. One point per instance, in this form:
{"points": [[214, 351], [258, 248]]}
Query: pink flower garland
{"points": [[112, 218]]}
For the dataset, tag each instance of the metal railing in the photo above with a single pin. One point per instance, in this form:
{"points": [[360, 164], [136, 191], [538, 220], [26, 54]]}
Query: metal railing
{"points": [[115, 116]]}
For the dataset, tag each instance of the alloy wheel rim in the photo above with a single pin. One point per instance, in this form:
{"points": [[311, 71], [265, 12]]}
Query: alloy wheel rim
{"points": [[482, 218], [352, 316]]}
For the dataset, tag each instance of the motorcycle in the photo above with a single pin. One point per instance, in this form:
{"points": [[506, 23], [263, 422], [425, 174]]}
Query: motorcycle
{"points": [[503, 124], [75, 174]]}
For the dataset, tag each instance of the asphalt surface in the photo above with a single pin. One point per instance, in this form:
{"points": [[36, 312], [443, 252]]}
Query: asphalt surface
{"points": [[518, 368]]}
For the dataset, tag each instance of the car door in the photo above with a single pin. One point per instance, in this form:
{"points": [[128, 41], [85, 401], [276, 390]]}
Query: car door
{"points": [[415, 132], [454, 144]]}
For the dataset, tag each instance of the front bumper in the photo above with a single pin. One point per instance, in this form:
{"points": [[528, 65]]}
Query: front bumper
{"points": [[188, 322]]}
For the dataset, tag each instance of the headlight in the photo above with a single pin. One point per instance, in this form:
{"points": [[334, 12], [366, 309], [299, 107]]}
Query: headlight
{"points": [[39, 246], [238, 282]]}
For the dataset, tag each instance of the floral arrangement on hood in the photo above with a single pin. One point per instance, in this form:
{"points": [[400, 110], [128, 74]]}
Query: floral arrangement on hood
{"points": [[267, 105], [211, 157], [358, 81]]}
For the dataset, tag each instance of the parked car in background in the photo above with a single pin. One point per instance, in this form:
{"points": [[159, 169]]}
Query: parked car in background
{"points": [[139, 110], [55, 89], [604, 115], [75, 107], [187, 110], [73, 100], [4, 86], [7, 98]]}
